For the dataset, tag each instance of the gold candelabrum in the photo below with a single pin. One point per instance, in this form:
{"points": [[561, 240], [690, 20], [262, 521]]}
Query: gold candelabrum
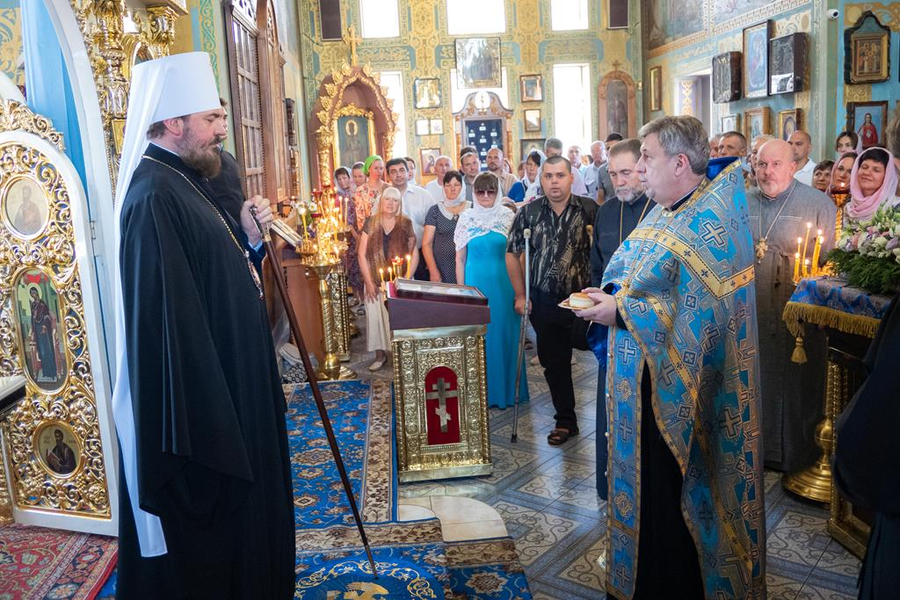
{"points": [[324, 230], [814, 482]]}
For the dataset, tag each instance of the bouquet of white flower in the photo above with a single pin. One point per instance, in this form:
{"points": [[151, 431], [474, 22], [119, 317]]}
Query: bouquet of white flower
{"points": [[868, 253]]}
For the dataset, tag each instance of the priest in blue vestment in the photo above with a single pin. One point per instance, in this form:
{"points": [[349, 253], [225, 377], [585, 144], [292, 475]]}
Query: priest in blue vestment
{"points": [[685, 510]]}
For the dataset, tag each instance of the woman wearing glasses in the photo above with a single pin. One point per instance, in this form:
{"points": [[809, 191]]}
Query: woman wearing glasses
{"points": [[480, 239], [440, 223]]}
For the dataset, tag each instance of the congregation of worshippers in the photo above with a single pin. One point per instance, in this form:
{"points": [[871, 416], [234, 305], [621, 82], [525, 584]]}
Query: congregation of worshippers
{"points": [[280, 220]]}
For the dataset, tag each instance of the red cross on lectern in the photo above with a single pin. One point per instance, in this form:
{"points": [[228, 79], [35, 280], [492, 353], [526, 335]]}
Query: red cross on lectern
{"points": [[442, 419]]}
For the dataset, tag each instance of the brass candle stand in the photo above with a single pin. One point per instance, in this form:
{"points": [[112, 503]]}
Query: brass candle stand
{"points": [[334, 327], [814, 482], [321, 254]]}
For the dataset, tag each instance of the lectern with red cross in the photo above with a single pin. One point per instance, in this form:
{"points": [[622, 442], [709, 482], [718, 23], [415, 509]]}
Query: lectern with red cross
{"points": [[440, 387]]}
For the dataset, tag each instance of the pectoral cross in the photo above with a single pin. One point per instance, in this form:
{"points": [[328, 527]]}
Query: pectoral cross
{"points": [[441, 394], [761, 247], [351, 38]]}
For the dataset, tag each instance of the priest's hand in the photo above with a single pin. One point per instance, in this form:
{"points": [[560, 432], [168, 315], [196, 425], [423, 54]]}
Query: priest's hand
{"points": [[604, 309], [263, 214]]}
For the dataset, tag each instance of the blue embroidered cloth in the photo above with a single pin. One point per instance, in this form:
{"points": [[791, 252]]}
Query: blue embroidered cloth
{"points": [[830, 302]]}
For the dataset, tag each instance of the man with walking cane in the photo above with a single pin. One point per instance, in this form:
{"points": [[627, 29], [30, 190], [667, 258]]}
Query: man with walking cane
{"points": [[559, 264]]}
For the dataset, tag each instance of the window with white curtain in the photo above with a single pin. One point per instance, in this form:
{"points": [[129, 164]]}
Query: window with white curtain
{"points": [[466, 17], [380, 18], [458, 96], [393, 81], [567, 15], [572, 104]]}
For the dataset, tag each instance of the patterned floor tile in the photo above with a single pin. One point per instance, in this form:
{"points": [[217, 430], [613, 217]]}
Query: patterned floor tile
{"points": [[836, 560], [798, 538], [535, 532], [548, 500]]}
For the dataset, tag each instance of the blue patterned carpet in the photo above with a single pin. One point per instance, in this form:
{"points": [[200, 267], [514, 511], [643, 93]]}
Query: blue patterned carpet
{"points": [[328, 545], [319, 499]]}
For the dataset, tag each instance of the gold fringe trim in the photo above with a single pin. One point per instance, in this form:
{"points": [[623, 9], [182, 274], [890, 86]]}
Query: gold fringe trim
{"points": [[796, 313]]}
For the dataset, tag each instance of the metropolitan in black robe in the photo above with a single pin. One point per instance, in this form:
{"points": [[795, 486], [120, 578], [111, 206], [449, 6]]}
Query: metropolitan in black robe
{"points": [[615, 220], [212, 454], [867, 458]]}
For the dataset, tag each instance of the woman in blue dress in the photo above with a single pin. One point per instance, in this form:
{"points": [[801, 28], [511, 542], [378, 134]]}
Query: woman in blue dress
{"points": [[480, 239]]}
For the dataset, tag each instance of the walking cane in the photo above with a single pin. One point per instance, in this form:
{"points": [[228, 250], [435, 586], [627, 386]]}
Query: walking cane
{"points": [[314, 385], [521, 358]]}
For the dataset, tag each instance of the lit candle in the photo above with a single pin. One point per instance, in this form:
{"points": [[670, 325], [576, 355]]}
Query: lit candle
{"points": [[390, 273], [806, 245], [818, 248], [806, 267], [797, 267], [799, 243], [408, 266], [303, 222]]}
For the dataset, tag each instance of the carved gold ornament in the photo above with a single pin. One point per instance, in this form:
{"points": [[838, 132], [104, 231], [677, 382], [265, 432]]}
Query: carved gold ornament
{"points": [[39, 277], [332, 108]]}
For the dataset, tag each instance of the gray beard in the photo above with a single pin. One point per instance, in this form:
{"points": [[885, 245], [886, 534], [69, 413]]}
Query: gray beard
{"points": [[627, 195]]}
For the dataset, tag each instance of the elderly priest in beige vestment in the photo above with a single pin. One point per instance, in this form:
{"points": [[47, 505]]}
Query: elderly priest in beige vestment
{"points": [[780, 209]]}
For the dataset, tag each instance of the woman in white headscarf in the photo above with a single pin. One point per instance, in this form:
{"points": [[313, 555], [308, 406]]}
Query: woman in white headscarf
{"points": [[480, 239], [440, 225], [520, 191]]}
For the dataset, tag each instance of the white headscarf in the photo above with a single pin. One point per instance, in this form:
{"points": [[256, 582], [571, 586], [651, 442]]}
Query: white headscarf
{"points": [[533, 188], [479, 220], [165, 88]]}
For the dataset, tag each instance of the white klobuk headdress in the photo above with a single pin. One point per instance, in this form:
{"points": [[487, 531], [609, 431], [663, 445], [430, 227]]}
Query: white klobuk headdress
{"points": [[165, 88]]}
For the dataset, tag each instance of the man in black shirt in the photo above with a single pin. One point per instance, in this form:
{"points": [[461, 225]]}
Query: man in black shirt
{"points": [[560, 264]]}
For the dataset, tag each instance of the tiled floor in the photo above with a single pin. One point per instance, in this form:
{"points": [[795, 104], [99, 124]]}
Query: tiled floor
{"points": [[547, 498]]}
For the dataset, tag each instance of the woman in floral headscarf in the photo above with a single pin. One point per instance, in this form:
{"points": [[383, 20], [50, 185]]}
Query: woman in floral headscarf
{"points": [[873, 184], [364, 200]]}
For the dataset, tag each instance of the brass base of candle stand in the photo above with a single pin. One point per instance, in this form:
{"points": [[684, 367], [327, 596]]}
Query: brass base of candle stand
{"points": [[331, 373], [334, 318], [814, 482]]}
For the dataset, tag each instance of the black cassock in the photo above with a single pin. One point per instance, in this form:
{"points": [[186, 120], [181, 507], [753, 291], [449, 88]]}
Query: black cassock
{"points": [[614, 222], [867, 457], [212, 452]]}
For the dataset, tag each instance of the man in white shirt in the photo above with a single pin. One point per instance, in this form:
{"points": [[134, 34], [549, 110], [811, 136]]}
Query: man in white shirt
{"points": [[592, 172], [574, 154], [495, 166], [414, 201], [801, 145], [435, 187]]}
